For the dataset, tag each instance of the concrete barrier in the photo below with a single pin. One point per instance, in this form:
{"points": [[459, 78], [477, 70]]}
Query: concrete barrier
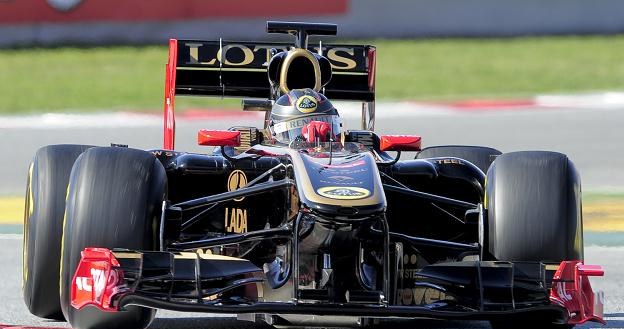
{"points": [[96, 22]]}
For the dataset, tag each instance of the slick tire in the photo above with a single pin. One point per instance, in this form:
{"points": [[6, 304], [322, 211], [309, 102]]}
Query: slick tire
{"points": [[46, 190], [480, 156], [533, 202], [114, 201]]}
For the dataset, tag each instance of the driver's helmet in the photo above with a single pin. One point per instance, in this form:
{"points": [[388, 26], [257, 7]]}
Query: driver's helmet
{"points": [[301, 112]]}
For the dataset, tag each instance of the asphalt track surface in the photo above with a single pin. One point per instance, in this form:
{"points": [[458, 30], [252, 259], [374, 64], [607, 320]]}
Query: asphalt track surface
{"points": [[14, 312], [594, 140]]}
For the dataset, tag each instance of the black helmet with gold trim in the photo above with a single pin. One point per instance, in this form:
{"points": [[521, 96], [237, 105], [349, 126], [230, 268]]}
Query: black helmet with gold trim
{"points": [[298, 108]]}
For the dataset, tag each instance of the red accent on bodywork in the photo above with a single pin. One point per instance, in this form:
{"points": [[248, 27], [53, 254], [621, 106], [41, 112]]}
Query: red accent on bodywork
{"points": [[169, 106], [372, 55], [571, 289], [400, 143], [97, 280], [218, 137]]}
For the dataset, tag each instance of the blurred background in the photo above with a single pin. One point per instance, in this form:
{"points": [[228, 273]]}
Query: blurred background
{"points": [[515, 75], [511, 74]]}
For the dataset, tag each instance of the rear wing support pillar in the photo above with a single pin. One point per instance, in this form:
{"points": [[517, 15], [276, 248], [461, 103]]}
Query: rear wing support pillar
{"points": [[169, 106], [368, 116]]}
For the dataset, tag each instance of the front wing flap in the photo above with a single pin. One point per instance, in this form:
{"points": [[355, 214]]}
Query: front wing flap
{"points": [[179, 281]]}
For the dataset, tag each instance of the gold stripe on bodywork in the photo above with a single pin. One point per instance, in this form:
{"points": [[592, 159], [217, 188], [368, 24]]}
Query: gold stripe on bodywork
{"points": [[206, 256], [304, 185], [349, 73], [224, 69], [127, 255], [551, 267]]}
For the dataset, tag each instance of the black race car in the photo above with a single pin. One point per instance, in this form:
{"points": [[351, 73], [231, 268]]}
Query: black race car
{"points": [[300, 222]]}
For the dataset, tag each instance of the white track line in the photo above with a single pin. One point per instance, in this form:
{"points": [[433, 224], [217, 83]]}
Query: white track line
{"points": [[605, 100], [60, 120], [10, 236]]}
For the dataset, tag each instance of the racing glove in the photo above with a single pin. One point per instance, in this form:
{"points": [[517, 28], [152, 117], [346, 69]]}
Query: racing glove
{"points": [[316, 129]]}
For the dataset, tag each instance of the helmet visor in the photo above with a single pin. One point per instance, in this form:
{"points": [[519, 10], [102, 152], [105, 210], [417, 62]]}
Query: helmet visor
{"points": [[290, 130]]}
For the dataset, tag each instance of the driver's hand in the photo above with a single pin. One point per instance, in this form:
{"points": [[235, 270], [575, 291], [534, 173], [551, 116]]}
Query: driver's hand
{"points": [[316, 130]]}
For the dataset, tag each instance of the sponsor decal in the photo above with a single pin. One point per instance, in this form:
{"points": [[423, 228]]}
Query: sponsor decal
{"points": [[409, 273], [343, 192], [347, 171], [96, 283], [419, 296], [236, 180], [563, 293], [449, 161], [344, 61], [306, 104], [283, 126], [236, 218], [410, 259], [341, 178], [257, 56], [347, 165], [407, 296], [163, 153]]}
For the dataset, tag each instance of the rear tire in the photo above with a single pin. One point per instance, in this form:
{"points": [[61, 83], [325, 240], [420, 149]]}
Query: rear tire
{"points": [[480, 156], [114, 201], [533, 202], [46, 190]]}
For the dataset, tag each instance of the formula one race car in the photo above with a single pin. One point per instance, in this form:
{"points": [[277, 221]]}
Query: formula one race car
{"points": [[300, 222]]}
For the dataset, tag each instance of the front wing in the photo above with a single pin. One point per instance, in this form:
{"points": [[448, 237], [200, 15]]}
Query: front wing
{"points": [[191, 282]]}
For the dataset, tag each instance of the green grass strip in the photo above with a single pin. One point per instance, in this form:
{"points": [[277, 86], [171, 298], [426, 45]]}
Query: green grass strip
{"points": [[132, 78]]}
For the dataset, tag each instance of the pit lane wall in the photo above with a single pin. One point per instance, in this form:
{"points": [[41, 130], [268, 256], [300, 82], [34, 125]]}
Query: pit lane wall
{"points": [[100, 22]]}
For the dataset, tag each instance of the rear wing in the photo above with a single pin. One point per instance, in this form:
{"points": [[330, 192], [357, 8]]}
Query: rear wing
{"points": [[239, 69]]}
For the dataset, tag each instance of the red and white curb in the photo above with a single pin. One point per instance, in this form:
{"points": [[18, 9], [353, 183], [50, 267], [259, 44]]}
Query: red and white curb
{"points": [[28, 327], [348, 110]]}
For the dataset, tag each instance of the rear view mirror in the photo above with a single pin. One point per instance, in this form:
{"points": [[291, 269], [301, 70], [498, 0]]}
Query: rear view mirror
{"points": [[257, 105], [218, 137], [590, 270], [399, 143]]}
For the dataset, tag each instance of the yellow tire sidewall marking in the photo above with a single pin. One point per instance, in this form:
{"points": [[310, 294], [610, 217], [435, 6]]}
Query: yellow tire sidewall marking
{"points": [[28, 211], [63, 242]]}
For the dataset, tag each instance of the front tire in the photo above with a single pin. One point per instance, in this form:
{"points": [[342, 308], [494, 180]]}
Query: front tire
{"points": [[46, 190], [533, 202], [114, 201]]}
